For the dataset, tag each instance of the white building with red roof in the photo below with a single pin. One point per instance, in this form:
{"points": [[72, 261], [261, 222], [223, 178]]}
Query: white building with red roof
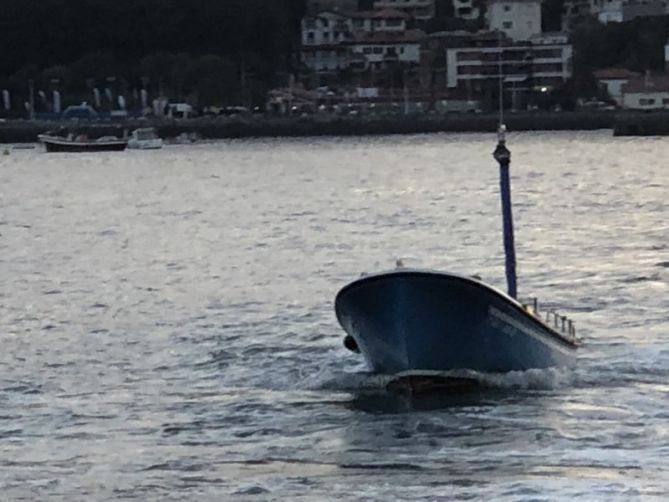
{"points": [[646, 93], [380, 20], [613, 80], [370, 40]]}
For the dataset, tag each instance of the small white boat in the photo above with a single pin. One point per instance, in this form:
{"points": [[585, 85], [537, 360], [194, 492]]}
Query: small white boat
{"points": [[145, 138]]}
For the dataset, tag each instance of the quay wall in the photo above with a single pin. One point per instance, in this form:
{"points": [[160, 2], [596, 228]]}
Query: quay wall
{"points": [[18, 131]]}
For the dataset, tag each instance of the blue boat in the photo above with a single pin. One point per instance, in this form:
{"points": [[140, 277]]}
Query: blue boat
{"points": [[416, 320], [409, 322]]}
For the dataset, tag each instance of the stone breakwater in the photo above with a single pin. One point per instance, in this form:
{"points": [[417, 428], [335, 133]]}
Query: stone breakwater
{"points": [[17, 131]]}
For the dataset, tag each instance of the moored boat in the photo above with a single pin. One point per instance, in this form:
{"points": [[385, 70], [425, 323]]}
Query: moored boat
{"points": [[81, 143], [145, 138]]}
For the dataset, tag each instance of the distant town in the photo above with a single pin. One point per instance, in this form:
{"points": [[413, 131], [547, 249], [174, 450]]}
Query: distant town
{"points": [[370, 57]]}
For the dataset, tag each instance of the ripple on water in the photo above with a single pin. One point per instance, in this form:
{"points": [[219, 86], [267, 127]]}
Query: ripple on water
{"points": [[168, 332]]}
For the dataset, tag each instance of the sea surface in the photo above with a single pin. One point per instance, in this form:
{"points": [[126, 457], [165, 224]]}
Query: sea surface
{"points": [[167, 328]]}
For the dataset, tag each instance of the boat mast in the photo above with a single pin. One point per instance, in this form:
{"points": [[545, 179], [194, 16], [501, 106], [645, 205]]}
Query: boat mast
{"points": [[503, 156]]}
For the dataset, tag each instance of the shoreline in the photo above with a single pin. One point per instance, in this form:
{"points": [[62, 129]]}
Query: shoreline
{"points": [[621, 124]]}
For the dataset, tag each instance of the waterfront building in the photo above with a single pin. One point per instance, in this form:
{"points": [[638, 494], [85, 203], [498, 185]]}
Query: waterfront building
{"points": [[612, 81], [379, 50], [520, 20], [539, 64], [420, 10], [390, 20], [333, 43], [322, 42], [325, 28], [646, 93]]}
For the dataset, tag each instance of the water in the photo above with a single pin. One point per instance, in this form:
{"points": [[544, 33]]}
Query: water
{"points": [[167, 325]]}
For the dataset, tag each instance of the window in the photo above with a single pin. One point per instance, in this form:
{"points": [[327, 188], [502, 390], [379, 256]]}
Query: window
{"points": [[378, 50], [665, 101], [326, 36], [507, 25], [507, 8], [310, 36], [367, 50]]}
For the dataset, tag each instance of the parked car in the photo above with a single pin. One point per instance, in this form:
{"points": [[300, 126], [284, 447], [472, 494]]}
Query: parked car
{"points": [[82, 111]]}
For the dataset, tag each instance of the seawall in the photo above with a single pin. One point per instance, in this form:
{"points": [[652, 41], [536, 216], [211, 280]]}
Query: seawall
{"points": [[262, 126]]}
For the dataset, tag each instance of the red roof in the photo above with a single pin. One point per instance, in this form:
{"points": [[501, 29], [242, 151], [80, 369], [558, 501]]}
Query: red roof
{"points": [[647, 84], [615, 74], [321, 47], [387, 37], [381, 14]]}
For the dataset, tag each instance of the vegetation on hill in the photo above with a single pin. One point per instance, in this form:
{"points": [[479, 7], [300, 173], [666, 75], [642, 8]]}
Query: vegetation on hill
{"points": [[229, 52], [222, 51]]}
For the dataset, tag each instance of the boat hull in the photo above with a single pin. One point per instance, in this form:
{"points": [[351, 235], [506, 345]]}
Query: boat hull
{"points": [[151, 144], [410, 320], [63, 145]]}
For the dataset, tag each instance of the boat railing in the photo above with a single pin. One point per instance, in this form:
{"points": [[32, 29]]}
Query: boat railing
{"points": [[560, 323]]}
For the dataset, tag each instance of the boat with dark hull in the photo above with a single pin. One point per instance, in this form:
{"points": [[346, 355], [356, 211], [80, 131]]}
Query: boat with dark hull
{"points": [[406, 319], [81, 143], [412, 323]]}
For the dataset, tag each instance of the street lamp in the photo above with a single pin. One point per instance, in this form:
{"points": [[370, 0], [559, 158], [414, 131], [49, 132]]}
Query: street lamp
{"points": [[31, 99]]}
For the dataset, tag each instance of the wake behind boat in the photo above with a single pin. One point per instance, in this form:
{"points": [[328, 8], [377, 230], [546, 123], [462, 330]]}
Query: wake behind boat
{"points": [[407, 321]]}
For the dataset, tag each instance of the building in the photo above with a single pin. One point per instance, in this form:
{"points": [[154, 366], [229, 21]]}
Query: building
{"points": [[519, 20], [325, 28], [612, 11], [574, 11], [613, 80], [607, 11], [643, 8], [374, 40], [322, 38], [465, 9], [380, 20], [380, 50], [646, 93], [536, 65], [420, 10]]}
